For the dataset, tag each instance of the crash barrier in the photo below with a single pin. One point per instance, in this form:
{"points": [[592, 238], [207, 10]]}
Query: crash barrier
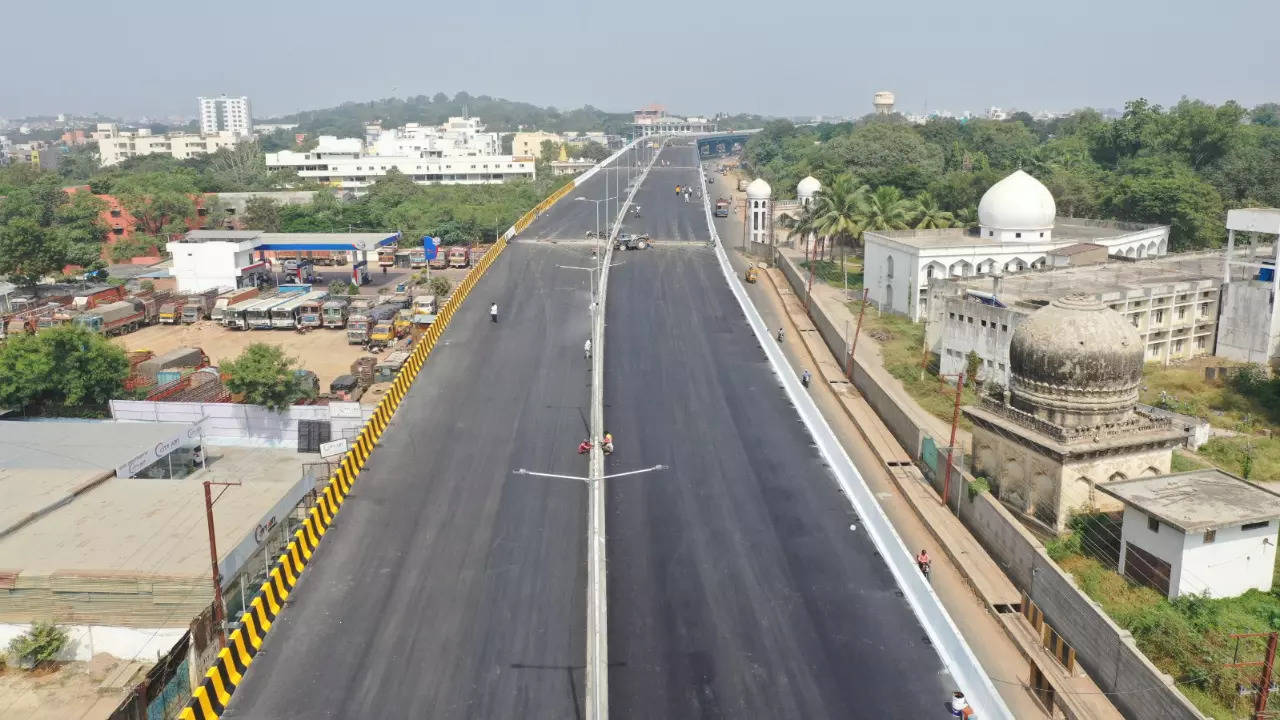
{"points": [[211, 698], [918, 594]]}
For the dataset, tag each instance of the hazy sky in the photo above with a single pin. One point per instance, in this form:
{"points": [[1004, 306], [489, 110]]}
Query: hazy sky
{"points": [[777, 58]]}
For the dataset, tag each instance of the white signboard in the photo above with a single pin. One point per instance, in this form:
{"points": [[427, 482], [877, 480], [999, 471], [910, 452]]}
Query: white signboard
{"points": [[345, 410], [333, 448], [189, 437]]}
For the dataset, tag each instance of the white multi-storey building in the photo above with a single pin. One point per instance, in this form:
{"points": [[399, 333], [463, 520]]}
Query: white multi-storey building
{"points": [[225, 114], [115, 145], [346, 164]]}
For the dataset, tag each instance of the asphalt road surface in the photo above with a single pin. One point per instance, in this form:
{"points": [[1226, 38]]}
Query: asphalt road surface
{"points": [[450, 587], [571, 219], [736, 587]]}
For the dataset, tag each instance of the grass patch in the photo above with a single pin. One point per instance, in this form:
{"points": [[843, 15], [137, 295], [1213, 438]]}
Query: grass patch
{"points": [[1188, 638], [1184, 461], [828, 271], [900, 348], [1257, 458]]}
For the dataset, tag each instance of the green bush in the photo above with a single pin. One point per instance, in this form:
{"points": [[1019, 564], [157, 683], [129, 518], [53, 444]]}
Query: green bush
{"points": [[39, 645]]}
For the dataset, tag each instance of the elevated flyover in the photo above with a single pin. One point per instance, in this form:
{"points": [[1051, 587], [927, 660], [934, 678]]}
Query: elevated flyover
{"points": [[737, 586], [449, 587]]}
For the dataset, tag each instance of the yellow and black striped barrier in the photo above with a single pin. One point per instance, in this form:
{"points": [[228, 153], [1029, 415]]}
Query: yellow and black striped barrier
{"points": [[210, 699]]}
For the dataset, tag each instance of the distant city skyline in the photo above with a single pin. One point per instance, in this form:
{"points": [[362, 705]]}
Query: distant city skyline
{"points": [[819, 58]]}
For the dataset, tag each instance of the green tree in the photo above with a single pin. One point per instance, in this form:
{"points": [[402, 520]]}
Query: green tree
{"points": [[43, 228], [1006, 144], [929, 215], [884, 154], [65, 370], [261, 213], [80, 229], [972, 364], [1267, 114], [801, 224], [886, 209], [549, 150], [840, 212], [79, 164], [161, 203], [39, 645], [265, 376], [1162, 190]]}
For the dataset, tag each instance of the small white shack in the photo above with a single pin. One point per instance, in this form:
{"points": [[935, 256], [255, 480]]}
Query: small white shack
{"points": [[1204, 531]]}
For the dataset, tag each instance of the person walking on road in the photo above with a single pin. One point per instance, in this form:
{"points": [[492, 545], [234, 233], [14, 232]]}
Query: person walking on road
{"points": [[493, 312], [960, 706], [586, 348]]}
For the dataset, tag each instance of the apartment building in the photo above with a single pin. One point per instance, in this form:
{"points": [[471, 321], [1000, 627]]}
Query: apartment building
{"points": [[116, 145], [529, 144], [1172, 301], [460, 156], [225, 114]]}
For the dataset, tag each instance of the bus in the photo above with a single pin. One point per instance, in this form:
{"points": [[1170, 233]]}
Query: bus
{"points": [[285, 315], [258, 317], [236, 317]]}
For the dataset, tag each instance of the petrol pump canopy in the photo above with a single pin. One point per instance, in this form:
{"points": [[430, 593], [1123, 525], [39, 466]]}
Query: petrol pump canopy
{"points": [[296, 241]]}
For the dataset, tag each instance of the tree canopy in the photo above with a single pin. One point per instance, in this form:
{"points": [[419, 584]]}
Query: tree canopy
{"points": [[1182, 166], [66, 370], [265, 376]]}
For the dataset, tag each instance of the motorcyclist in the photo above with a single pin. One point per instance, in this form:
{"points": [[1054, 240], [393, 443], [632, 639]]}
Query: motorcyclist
{"points": [[780, 334], [584, 447], [805, 377], [922, 561]]}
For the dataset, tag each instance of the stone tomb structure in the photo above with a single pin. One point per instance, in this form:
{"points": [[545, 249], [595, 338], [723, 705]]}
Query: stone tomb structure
{"points": [[1067, 422]]}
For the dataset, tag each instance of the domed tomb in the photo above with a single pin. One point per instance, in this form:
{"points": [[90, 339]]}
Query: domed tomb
{"points": [[808, 187], [1075, 363]]}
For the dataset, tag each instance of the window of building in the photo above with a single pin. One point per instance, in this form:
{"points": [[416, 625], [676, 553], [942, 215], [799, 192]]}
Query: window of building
{"points": [[1255, 525], [1204, 309], [991, 233], [202, 211], [1041, 234], [970, 319], [1159, 316], [1177, 346], [1182, 313], [984, 323], [1200, 344], [115, 212], [1210, 535], [951, 316], [1004, 327], [1153, 524], [1001, 366], [1134, 319], [1017, 234], [118, 231]]}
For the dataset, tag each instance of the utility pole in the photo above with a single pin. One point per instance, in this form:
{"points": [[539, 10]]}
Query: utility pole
{"points": [[854, 346], [1268, 670], [218, 611], [951, 446]]}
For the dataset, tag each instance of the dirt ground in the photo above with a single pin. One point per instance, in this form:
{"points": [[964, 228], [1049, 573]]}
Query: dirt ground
{"points": [[70, 691], [324, 352]]}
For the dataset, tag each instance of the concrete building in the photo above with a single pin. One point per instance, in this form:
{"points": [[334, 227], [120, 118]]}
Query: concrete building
{"points": [[225, 114], [1018, 230], [206, 259], [653, 120], [760, 214], [1171, 301], [1249, 327], [529, 144], [345, 165], [115, 145], [1067, 422], [457, 137], [1199, 532]]}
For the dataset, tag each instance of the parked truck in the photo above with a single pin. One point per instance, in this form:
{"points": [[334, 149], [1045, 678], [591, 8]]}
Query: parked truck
{"points": [[199, 306], [229, 298], [171, 311], [113, 318], [97, 297], [334, 312], [358, 329], [459, 257], [440, 261]]}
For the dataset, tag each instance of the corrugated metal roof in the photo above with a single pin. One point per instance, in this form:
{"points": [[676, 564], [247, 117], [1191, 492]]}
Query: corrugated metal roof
{"points": [[79, 444]]}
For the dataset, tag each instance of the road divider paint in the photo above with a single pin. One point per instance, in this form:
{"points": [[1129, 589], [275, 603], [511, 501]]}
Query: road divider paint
{"points": [[212, 696]]}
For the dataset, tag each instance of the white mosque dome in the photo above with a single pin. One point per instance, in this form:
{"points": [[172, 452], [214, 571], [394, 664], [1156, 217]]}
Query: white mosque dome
{"points": [[808, 187], [759, 189], [1018, 202]]}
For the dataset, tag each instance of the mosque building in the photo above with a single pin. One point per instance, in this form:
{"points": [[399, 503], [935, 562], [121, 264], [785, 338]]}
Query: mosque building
{"points": [[1018, 231]]}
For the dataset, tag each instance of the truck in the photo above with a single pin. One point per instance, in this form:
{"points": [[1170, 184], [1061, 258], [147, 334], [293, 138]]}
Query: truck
{"points": [[382, 334], [198, 306], [171, 312], [722, 207], [358, 329], [459, 257], [400, 296], [149, 306], [440, 261], [424, 310], [98, 296], [334, 312], [387, 256], [114, 318], [229, 298]]}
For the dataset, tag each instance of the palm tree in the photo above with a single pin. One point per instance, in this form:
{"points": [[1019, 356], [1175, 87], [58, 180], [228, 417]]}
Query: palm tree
{"points": [[800, 224], [839, 213], [928, 215], [887, 209]]}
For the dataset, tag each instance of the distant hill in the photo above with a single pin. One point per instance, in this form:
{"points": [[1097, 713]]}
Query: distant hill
{"points": [[499, 115]]}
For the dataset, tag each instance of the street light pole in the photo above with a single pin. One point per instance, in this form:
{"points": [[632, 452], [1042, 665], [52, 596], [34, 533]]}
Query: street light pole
{"points": [[218, 611]]}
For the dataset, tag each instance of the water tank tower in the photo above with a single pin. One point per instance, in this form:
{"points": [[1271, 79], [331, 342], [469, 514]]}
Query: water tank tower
{"points": [[883, 102]]}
